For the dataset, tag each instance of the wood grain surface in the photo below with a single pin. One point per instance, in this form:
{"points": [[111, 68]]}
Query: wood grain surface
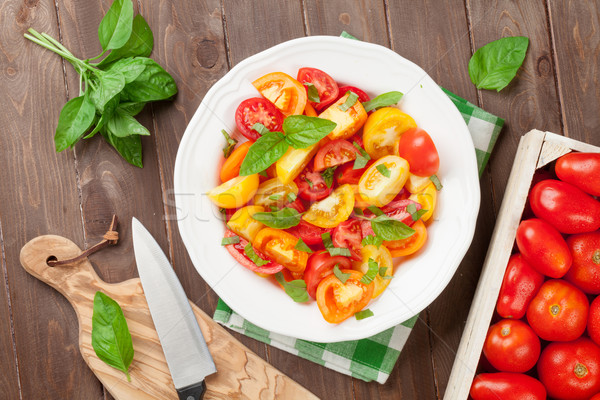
{"points": [[74, 193]]}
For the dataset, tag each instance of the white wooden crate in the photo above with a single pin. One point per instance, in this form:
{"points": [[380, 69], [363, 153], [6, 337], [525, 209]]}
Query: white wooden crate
{"points": [[536, 149]]}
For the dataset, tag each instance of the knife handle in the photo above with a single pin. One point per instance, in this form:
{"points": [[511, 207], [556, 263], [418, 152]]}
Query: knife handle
{"points": [[192, 392]]}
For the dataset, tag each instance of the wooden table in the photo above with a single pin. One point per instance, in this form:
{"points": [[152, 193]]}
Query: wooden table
{"points": [[75, 193]]}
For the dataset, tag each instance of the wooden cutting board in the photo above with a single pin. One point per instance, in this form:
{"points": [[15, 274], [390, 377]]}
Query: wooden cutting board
{"points": [[241, 374]]}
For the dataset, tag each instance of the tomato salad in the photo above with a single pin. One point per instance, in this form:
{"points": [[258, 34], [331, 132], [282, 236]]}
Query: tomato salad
{"points": [[328, 189]]}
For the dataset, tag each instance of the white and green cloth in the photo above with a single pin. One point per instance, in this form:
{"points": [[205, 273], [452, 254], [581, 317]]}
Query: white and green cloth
{"points": [[370, 359]]}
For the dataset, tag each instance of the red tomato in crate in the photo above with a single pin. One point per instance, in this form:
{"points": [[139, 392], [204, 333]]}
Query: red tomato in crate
{"points": [[347, 174], [312, 186], [257, 110], [559, 311], [595, 397], [581, 170], [594, 321], [512, 346], [564, 206], [417, 147], [585, 270], [334, 153], [571, 370], [506, 386], [348, 234], [319, 265], [520, 284], [325, 84], [543, 247]]}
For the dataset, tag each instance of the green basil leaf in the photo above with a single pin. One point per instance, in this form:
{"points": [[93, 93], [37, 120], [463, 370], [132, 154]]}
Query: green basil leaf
{"points": [[327, 242], [312, 92], [339, 251], [358, 211], [110, 85], [230, 240], [264, 152], [328, 176], [346, 35], [116, 26], [383, 170], [383, 100], [375, 210], [255, 258], [231, 142], [153, 84], [282, 219], [494, 65], [296, 289], [130, 67], [122, 124], [131, 108], [291, 196], [390, 229], [366, 313], [310, 183], [302, 131], [263, 173], [111, 339], [362, 158], [260, 128], [373, 240], [382, 271], [75, 119], [342, 276], [350, 101], [129, 147], [140, 43], [414, 213], [275, 197], [371, 272], [302, 246], [436, 182]]}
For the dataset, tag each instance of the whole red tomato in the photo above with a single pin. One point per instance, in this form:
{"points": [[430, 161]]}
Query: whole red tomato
{"points": [[559, 311], [594, 321], [520, 284], [570, 370], [581, 170], [565, 207], [585, 270], [543, 247], [417, 147], [507, 386], [512, 346], [596, 397]]}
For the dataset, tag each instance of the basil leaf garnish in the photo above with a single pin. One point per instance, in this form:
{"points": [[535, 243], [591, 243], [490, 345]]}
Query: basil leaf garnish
{"points": [[302, 131], [362, 158], [494, 65], [390, 229], [282, 219], [330, 247], [436, 182], [296, 289], [414, 213], [231, 142], [230, 240], [328, 176], [375, 210], [264, 152], [383, 100], [313, 92], [302, 246], [343, 277], [350, 101], [371, 239], [260, 128], [371, 272], [383, 170], [255, 258], [366, 313]]}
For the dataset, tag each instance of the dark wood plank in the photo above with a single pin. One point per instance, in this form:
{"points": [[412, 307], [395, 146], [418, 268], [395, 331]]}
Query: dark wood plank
{"points": [[576, 40], [40, 196], [9, 380]]}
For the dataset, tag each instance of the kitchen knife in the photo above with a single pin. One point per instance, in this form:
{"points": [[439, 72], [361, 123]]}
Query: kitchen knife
{"points": [[184, 346]]}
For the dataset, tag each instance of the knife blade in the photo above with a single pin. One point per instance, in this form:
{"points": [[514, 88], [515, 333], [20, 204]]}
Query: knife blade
{"points": [[182, 341]]}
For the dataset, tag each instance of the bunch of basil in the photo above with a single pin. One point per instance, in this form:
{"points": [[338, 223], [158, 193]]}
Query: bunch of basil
{"points": [[115, 89]]}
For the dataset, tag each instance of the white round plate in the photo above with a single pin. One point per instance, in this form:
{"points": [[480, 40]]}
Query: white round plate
{"points": [[375, 69]]}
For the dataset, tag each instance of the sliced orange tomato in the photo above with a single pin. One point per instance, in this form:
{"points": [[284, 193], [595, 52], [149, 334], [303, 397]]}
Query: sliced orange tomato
{"points": [[377, 189], [232, 164], [293, 162], [427, 198], [339, 301], [416, 183], [348, 122], [410, 245], [382, 256], [235, 192], [279, 245], [310, 111], [383, 129], [333, 209], [274, 193], [242, 223], [285, 92]]}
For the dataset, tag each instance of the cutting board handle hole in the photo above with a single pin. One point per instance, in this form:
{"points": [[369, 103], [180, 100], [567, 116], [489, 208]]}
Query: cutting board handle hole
{"points": [[51, 258]]}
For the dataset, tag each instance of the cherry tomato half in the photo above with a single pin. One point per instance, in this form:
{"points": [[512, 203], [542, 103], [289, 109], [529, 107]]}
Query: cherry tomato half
{"points": [[237, 252], [312, 186], [332, 210], [585, 270], [257, 110], [383, 129], [348, 234], [279, 246], [339, 301], [417, 147], [581, 170], [520, 285], [320, 264], [326, 86], [376, 188], [309, 233], [512, 346], [334, 153], [507, 386], [285, 92], [410, 245]]}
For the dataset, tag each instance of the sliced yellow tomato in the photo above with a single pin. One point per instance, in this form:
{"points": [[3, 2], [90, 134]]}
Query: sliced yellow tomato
{"points": [[382, 131], [378, 189], [274, 193], [382, 257], [293, 162], [285, 92], [310, 111], [427, 199], [333, 209], [416, 183], [279, 246], [348, 122], [242, 223], [235, 192], [410, 245]]}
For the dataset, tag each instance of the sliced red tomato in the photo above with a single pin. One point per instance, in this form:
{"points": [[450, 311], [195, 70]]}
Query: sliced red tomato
{"points": [[339, 301], [348, 234], [347, 174], [257, 110], [325, 84], [336, 152], [311, 185], [237, 252], [397, 209], [320, 264], [297, 205], [309, 233], [362, 96]]}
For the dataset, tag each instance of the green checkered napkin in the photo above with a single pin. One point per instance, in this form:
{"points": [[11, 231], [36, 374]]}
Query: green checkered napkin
{"points": [[372, 358]]}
